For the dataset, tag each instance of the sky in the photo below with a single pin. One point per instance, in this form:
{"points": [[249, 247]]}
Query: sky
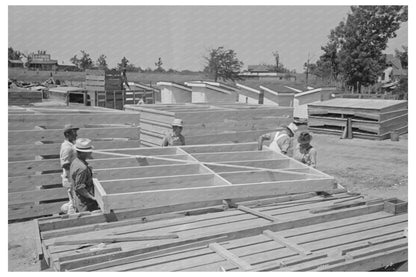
{"points": [[180, 35]]}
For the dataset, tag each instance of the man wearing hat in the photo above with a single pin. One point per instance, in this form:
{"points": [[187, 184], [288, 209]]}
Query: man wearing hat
{"points": [[281, 140], [175, 137], [81, 177], [66, 155], [304, 151]]}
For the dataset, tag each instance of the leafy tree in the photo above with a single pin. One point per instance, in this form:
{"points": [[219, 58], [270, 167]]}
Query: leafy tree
{"points": [[276, 57], [223, 64], [402, 55], [14, 55], [158, 65], [354, 50], [84, 62], [101, 62]]}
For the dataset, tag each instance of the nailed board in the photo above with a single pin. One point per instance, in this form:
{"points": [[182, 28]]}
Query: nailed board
{"points": [[35, 137], [207, 124], [262, 235], [374, 119], [152, 192]]}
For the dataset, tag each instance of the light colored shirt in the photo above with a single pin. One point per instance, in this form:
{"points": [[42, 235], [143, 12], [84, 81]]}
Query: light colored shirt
{"points": [[281, 140], [173, 140], [307, 157], [67, 153]]}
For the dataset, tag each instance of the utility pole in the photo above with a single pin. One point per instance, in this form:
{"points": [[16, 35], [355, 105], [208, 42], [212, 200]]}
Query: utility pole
{"points": [[276, 56], [307, 70]]}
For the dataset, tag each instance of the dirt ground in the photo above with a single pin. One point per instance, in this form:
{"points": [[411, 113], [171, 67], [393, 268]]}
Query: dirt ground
{"points": [[374, 168]]}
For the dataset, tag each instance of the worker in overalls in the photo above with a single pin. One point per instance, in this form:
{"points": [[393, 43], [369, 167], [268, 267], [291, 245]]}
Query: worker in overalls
{"points": [[175, 137], [281, 140]]}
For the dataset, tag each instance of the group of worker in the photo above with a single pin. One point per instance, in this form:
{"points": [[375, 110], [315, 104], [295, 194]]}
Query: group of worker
{"points": [[77, 174], [282, 142]]}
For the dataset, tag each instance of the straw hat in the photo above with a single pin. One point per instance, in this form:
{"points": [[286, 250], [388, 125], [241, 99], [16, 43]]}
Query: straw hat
{"points": [[177, 122], [83, 145], [292, 127]]}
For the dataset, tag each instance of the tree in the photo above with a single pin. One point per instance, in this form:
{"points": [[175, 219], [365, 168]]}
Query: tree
{"points": [[366, 34], [354, 50], [402, 55], [223, 64], [276, 57], [84, 62], [158, 65], [14, 55], [101, 62]]}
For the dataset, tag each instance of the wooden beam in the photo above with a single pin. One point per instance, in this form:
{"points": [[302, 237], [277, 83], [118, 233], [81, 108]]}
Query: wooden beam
{"points": [[27, 137], [39, 251], [283, 241], [256, 213], [113, 239], [226, 254]]}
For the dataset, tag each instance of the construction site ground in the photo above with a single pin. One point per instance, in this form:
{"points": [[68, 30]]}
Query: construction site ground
{"points": [[376, 168]]}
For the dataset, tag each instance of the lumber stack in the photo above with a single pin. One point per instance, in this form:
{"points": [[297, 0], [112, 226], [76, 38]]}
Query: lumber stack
{"points": [[297, 232], [207, 124], [23, 97], [105, 88], [370, 118], [35, 137]]}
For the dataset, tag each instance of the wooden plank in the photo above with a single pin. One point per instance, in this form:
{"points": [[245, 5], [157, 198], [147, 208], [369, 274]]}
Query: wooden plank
{"points": [[223, 252], [30, 151], [34, 210], [39, 251], [27, 122], [256, 213], [282, 240], [219, 148], [157, 183], [31, 182], [183, 195], [235, 156], [113, 239], [27, 137], [37, 195]]}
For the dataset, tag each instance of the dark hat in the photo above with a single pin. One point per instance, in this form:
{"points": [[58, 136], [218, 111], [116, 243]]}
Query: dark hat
{"points": [[304, 137], [69, 127]]}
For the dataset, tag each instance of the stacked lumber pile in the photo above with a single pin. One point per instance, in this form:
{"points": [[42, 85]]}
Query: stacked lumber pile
{"points": [[298, 232], [370, 118], [35, 137], [206, 124], [105, 88], [23, 97]]}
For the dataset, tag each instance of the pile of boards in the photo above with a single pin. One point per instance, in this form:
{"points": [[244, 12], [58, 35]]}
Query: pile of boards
{"points": [[336, 231], [370, 118], [210, 123], [23, 96], [35, 136]]}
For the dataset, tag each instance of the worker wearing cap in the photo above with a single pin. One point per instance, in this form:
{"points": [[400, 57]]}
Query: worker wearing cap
{"points": [[81, 177], [304, 151], [281, 140], [66, 155], [175, 137]]}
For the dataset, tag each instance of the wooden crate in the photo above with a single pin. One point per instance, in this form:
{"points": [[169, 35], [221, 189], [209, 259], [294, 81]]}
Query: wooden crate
{"points": [[371, 118]]}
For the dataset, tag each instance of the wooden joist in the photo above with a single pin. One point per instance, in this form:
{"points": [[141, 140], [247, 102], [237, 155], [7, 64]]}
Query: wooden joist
{"points": [[234, 241]]}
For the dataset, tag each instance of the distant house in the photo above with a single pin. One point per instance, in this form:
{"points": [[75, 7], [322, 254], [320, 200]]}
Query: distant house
{"points": [[15, 63], [68, 67], [262, 71], [42, 61], [394, 71]]}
